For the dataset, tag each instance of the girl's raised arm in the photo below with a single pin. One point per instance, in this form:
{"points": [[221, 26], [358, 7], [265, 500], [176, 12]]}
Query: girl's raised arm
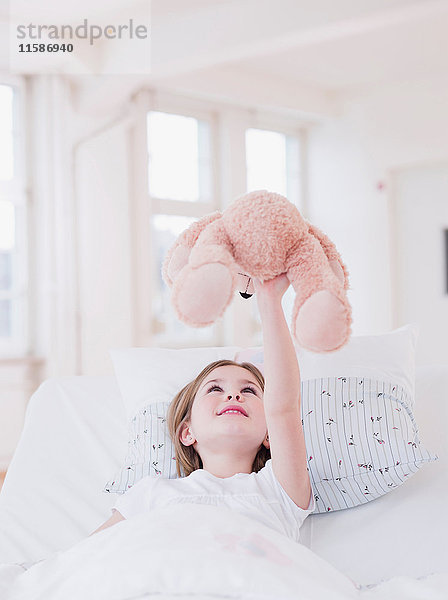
{"points": [[282, 394]]}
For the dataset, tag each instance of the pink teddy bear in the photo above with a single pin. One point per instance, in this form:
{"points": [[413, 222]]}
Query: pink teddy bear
{"points": [[261, 234]]}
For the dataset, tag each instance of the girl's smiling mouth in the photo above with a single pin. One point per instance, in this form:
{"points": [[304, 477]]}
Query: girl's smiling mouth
{"points": [[232, 410]]}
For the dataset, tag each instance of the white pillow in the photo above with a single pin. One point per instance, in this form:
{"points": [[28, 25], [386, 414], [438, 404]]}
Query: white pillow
{"points": [[360, 432], [388, 357], [150, 449], [150, 375]]}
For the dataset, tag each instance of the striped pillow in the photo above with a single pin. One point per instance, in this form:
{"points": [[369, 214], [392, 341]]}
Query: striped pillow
{"points": [[360, 434], [361, 439], [150, 449]]}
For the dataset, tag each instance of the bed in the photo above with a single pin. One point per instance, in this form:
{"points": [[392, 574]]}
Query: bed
{"points": [[74, 439]]}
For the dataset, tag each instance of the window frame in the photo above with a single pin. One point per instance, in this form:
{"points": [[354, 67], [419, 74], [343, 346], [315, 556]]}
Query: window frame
{"points": [[165, 206], [17, 192]]}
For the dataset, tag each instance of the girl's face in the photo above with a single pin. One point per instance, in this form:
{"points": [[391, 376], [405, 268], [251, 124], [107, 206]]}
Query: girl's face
{"points": [[228, 406]]}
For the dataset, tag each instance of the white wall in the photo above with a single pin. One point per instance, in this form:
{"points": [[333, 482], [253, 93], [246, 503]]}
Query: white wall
{"points": [[102, 169], [405, 123], [420, 196], [378, 131], [344, 203]]}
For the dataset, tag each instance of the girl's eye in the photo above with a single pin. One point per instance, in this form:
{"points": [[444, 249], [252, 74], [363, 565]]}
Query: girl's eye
{"points": [[250, 390], [213, 388]]}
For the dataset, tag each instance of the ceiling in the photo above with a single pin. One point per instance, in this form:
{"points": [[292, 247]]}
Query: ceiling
{"points": [[402, 51], [210, 46], [164, 7]]}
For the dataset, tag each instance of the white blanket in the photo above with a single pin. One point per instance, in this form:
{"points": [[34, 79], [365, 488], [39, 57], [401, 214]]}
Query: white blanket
{"points": [[198, 552]]}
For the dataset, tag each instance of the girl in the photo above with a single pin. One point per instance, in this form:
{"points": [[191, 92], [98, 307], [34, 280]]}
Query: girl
{"points": [[240, 442]]}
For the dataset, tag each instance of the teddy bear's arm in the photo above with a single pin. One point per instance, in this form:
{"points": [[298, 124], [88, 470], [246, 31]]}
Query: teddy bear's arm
{"points": [[177, 256], [204, 287]]}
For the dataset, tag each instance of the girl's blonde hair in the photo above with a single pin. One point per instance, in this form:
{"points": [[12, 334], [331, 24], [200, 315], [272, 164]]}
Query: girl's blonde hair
{"points": [[179, 412]]}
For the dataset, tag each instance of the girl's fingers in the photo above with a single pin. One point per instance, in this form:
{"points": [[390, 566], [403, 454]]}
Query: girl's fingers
{"points": [[272, 287], [257, 283]]}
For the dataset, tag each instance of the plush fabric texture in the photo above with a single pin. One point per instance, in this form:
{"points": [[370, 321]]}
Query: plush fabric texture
{"points": [[360, 434], [261, 234]]}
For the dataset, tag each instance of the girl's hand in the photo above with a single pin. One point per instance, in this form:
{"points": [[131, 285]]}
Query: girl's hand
{"points": [[272, 289]]}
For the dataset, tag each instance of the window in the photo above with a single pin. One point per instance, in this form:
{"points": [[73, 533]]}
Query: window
{"points": [[13, 280], [180, 187], [179, 157], [273, 163]]}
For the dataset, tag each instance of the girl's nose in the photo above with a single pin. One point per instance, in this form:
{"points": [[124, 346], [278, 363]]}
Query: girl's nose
{"points": [[230, 397]]}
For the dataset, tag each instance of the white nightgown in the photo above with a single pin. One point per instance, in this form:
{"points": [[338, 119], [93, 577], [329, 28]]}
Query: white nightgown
{"points": [[259, 496]]}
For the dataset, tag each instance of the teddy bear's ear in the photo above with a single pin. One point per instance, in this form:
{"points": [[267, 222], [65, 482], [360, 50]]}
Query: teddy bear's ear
{"points": [[245, 285]]}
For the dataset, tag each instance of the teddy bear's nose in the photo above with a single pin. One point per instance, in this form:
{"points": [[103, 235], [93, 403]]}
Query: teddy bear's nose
{"points": [[244, 295]]}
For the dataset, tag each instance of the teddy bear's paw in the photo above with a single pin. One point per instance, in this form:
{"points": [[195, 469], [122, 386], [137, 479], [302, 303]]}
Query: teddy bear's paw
{"points": [[201, 295], [322, 323]]}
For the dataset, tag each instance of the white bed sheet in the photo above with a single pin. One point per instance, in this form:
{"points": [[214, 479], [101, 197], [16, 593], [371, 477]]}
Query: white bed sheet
{"points": [[220, 554], [404, 532], [75, 438]]}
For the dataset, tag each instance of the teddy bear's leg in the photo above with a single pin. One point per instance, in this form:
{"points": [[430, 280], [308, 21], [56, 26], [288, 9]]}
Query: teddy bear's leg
{"points": [[321, 315], [332, 254], [204, 288]]}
